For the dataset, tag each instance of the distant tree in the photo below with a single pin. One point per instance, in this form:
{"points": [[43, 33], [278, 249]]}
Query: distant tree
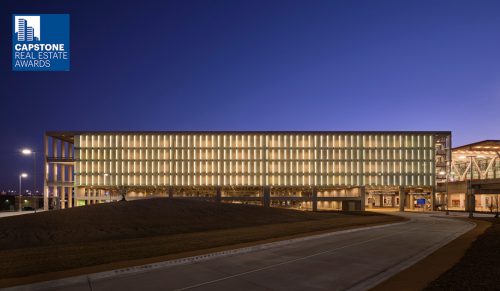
{"points": [[123, 193]]}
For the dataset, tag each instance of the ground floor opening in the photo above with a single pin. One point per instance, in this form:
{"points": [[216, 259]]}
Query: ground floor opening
{"points": [[402, 198], [301, 198]]}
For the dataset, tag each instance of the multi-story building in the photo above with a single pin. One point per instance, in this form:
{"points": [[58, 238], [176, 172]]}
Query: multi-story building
{"points": [[305, 170], [475, 170]]}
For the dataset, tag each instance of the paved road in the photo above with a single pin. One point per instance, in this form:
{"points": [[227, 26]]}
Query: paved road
{"points": [[15, 213], [348, 261]]}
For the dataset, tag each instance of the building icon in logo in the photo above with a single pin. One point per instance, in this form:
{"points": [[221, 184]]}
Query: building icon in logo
{"points": [[27, 28], [27, 42]]}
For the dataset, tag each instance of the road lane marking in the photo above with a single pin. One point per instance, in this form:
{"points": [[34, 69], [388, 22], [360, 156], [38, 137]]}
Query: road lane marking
{"points": [[289, 261], [454, 234], [131, 271]]}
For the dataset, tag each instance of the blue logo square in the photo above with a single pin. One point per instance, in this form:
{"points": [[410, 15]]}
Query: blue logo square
{"points": [[40, 42]]}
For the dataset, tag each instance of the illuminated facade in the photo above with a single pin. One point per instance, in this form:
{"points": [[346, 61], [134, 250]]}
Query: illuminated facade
{"points": [[309, 170], [479, 162]]}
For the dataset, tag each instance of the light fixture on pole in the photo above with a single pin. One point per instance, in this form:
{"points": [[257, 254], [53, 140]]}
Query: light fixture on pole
{"points": [[23, 175], [447, 191], [29, 152]]}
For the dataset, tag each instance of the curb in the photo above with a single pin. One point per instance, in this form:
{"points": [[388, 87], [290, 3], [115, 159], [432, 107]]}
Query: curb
{"points": [[405, 264]]}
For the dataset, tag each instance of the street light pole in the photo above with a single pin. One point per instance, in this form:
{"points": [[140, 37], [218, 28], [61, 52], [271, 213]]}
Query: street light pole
{"points": [[23, 175], [447, 178], [20, 193], [28, 152], [34, 173]]}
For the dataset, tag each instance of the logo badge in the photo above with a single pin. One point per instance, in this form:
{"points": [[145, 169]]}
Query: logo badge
{"points": [[40, 42]]}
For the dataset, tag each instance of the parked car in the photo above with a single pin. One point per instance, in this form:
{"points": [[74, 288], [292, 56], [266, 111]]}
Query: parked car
{"points": [[28, 208]]}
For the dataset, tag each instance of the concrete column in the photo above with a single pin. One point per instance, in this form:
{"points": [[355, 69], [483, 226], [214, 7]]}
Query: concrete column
{"points": [[63, 187], [71, 199], [78, 193], [45, 173], [466, 201], [362, 195], [70, 189], [381, 200], [64, 196], [433, 199], [412, 202], [266, 196], [218, 194], [55, 194], [402, 199], [314, 199]]}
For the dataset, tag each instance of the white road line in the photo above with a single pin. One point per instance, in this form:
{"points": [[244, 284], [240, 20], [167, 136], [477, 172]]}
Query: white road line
{"points": [[232, 252], [95, 277], [290, 261], [376, 279]]}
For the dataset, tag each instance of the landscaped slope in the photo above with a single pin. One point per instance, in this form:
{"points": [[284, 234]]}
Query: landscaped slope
{"points": [[115, 235], [140, 218]]}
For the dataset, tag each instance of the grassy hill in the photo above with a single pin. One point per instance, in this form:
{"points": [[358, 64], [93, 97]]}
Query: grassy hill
{"points": [[140, 218], [115, 235]]}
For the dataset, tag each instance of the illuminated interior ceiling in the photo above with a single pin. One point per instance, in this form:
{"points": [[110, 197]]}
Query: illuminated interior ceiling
{"points": [[482, 146], [479, 150], [482, 157]]}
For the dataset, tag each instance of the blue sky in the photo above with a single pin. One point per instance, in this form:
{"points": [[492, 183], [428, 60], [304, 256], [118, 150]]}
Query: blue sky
{"points": [[257, 65]]}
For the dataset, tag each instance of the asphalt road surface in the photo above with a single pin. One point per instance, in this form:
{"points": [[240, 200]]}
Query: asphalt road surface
{"points": [[348, 261]]}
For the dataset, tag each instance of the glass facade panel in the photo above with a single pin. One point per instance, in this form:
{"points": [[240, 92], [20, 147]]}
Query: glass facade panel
{"points": [[276, 159]]}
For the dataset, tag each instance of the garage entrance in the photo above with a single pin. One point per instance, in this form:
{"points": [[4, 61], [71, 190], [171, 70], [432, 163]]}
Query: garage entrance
{"points": [[382, 199]]}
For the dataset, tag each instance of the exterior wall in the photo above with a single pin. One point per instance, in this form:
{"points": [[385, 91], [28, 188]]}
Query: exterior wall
{"points": [[485, 165], [402, 159], [483, 202], [480, 163], [58, 173], [304, 170]]}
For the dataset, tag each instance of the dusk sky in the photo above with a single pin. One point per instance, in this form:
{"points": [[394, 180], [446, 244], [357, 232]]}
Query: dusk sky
{"points": [[256, 65]]}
